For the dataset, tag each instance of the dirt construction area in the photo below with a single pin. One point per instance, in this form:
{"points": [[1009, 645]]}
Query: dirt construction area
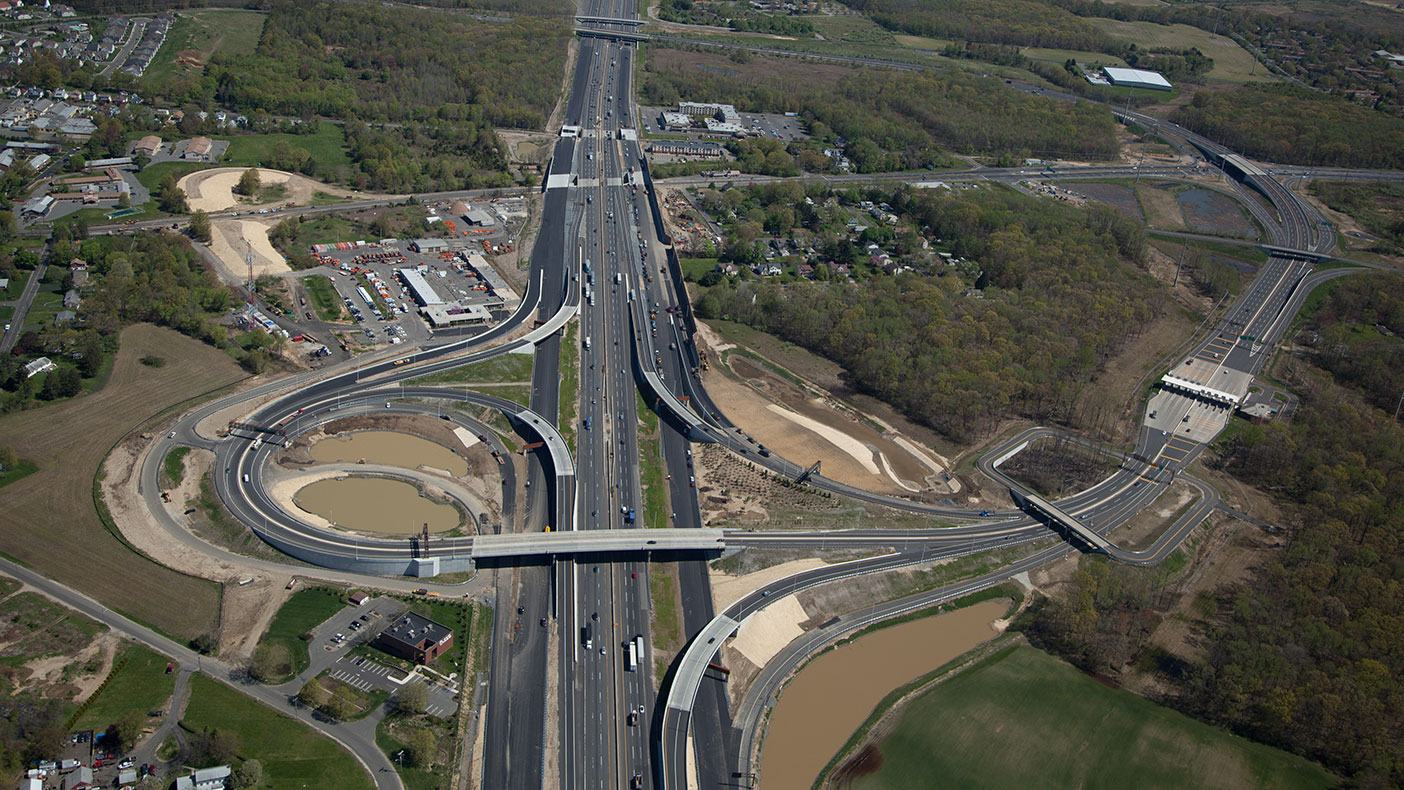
{"points": [[213, 190], [803, 427], [232, 239]]}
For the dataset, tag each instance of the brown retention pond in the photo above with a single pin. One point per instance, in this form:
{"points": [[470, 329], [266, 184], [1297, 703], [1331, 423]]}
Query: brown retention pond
{"points": [[375, 504], [832, 696], [391, 448]]}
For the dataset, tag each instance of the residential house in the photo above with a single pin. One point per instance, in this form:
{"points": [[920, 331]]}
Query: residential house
{"points": [[216, 778]]}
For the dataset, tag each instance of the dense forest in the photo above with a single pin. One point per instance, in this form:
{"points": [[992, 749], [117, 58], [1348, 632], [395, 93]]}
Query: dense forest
{"points": [[1376, 205], [343, 60], [1357, 336], [441, 80], [1295, 126], [1060, 296], [1026, 23], [893, 120], [1306, 655], [736, 15]]}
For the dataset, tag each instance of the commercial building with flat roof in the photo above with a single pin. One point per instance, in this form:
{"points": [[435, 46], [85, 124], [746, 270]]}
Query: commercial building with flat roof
{"points": [[723, 127], [479, 217], [423, 293], [428, 245], [415, 638], [1136, 78]]}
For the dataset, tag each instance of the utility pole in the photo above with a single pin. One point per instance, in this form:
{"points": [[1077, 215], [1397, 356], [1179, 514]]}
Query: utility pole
{"points": [[248, 259], [1184, 249]]}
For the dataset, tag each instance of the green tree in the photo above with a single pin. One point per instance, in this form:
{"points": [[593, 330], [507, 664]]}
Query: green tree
{"points": [[422, 748], [270, 662], [127, 729], [411, 699], [311, 693], [170, 197], [341, 705], [248, 774], [61, 383], [200, 226], [248, 183]]}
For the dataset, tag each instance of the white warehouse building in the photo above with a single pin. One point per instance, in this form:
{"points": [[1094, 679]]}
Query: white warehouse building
{"points": [[1136, 78]]}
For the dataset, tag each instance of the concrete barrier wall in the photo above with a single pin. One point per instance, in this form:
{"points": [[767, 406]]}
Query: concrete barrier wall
{"points": [[375, 567]]}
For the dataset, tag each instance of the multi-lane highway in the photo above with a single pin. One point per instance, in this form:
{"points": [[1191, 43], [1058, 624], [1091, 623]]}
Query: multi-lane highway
{"points": [[566, 624]]}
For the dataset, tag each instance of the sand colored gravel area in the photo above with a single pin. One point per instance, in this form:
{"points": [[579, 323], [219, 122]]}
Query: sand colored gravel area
{"points": [[728, 589], [766, 632], [232, 239], [855, 449], [789, 438], [213, 190]]}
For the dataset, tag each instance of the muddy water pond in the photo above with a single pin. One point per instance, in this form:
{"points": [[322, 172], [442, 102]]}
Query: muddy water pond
{"points": [[375, 504], [391, 448], [831, 697]]}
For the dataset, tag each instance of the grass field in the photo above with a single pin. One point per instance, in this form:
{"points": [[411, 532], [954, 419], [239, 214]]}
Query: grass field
{"points": [[151, 175], [923, 42], [327, 147], [329, 230], [17, 472], [293, 754], [570, 385], [174, 466], [1018, 718], [694, 268], [51, 522], [323, 296], [1233, 65], [508, 367], [198, 35], [141, 685], [303, 611], [850, 28], [655, 495], [16, 287]]}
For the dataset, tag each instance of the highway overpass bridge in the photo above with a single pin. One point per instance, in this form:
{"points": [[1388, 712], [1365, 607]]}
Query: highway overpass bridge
{"points": [[595, 541], [609, 20], [1038, 507], [618, 35]]}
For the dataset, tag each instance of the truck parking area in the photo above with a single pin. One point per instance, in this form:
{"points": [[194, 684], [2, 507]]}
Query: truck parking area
{"points": [[389, 305]]}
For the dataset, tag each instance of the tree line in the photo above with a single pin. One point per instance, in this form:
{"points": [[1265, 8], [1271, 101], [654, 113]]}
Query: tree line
{"points": [[1024, 23]]}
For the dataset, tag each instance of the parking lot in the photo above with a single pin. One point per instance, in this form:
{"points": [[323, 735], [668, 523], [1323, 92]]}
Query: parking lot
{"points": [[367, 674], [776, 126], [377, 298], [334, 638]]}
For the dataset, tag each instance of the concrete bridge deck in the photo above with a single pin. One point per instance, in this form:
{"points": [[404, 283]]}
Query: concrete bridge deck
{"points": [[597, 541], [1029, 501]]}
